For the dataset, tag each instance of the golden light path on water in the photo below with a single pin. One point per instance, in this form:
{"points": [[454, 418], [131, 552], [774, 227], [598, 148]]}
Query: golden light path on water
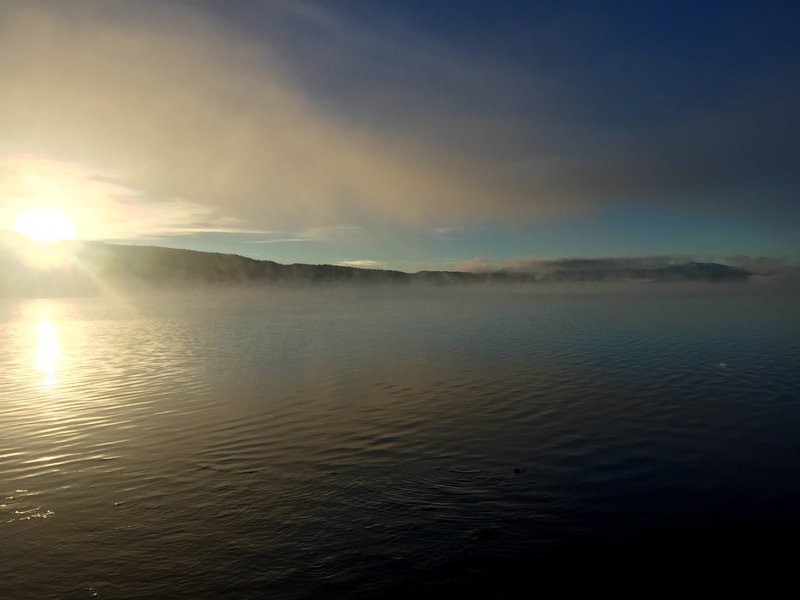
{"points": [[50, 338], [47, 352], [79, 378], [37, 333], [63, 402]]}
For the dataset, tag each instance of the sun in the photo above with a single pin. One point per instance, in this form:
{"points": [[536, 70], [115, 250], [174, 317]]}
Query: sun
{"points": [[44, 224]]}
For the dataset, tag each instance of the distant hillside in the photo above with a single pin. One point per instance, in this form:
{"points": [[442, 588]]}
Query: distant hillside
{"points": [[94, 264]]}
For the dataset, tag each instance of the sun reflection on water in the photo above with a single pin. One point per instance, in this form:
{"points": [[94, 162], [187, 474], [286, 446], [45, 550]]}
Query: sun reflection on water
{"points": [[47, 352]]}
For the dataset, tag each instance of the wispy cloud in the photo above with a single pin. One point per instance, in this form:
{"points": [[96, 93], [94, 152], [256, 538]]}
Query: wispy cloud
{"points": [[361, 263], [312, 235], [207, 125], [100, 203], [203, 113], [280, 241], [330, 233]]}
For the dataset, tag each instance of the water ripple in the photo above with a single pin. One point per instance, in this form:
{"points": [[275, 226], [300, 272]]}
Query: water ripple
{"points": [[311, 446]]}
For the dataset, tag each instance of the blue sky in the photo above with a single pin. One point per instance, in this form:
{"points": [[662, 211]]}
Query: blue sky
{"points": [[409, 134]]}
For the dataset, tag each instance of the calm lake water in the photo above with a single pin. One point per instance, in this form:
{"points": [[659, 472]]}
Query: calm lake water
{"points": [[380, 441]]}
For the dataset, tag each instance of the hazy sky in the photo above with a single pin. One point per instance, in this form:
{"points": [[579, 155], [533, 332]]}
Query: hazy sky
{"points": [[410, 134]]}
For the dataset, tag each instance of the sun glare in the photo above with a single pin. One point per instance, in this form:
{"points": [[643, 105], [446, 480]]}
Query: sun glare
{"points": [[45, 224]]}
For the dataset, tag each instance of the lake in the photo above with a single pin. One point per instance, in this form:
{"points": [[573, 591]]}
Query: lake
{"points": [[379, 441]]}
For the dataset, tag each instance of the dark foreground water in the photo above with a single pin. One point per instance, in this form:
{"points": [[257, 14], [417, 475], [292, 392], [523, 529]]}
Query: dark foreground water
{"points": [[390, 441]]}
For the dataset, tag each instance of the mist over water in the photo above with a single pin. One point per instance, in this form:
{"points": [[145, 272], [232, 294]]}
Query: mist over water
{"points": [[327, 442]]}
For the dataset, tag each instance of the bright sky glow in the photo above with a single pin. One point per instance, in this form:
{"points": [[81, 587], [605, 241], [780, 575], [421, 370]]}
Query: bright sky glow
{"points": [[45, 224], [405, 135]]}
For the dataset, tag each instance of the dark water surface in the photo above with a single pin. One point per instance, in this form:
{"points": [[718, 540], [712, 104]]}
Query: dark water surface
{"points": [[379, 441]]}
